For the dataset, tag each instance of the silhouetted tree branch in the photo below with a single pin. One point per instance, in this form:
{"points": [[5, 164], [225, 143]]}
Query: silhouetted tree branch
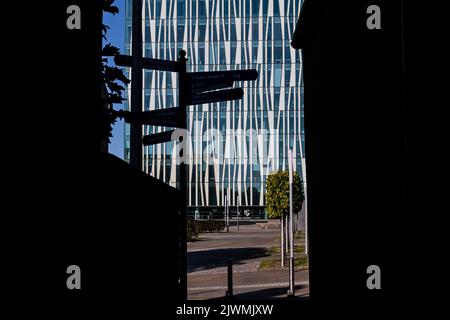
{"points": [[112, 78]]}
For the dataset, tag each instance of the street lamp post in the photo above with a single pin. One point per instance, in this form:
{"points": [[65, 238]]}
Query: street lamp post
{"points": [[282, 240], [227, 213], [238, 202], [291, 291], [305, 205]]}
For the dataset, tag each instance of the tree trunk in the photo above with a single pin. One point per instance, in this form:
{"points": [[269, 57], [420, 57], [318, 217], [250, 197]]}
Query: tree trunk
{"points": [[286, 232], [282, 247]]}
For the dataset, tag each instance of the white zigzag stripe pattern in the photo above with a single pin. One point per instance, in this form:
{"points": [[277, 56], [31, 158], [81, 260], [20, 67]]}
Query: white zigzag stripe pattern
{"points": [[235, 144]]}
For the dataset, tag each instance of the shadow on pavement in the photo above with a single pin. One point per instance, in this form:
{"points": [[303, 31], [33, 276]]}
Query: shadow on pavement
{"points": [[216, 258], [269, 293]]}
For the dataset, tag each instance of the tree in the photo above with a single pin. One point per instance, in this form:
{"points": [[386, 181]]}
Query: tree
{"points": [[277, 202], [113, 78], [277, 194]]}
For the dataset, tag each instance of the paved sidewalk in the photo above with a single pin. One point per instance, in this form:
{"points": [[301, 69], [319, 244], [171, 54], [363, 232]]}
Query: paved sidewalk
{"points": [[267, 284], [207, 266]]}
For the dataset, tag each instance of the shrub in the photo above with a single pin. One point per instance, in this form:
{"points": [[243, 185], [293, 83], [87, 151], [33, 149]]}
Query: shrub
{"points": [[192, 230], [195, 227], [210, 225]]}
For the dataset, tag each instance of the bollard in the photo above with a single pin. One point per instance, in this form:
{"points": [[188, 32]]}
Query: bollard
{"points": [[229, 293]]}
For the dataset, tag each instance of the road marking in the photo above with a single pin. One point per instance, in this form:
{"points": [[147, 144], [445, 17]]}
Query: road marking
{"points": [[243, 268], [261, 246], [248, 286]]}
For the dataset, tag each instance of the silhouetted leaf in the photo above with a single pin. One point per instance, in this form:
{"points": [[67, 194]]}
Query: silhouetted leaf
{"points": [[110, 74], [114, 73], [121, 76], [107, 118], [115, 98], [108, 7], [107, 3], [120, 113], [109, 50], [115, 87]]}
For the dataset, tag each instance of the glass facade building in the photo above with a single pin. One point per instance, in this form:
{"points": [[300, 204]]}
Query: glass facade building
{"points": [[234, 144]]}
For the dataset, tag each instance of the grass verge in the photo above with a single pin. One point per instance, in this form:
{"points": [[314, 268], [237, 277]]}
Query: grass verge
{"points": [[300, 262]]}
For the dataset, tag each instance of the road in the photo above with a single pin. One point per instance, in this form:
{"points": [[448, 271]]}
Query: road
{"points": [[207, 265]]}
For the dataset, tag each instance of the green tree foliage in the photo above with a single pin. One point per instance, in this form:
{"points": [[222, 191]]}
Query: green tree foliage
{"points": [[277, 194]]}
